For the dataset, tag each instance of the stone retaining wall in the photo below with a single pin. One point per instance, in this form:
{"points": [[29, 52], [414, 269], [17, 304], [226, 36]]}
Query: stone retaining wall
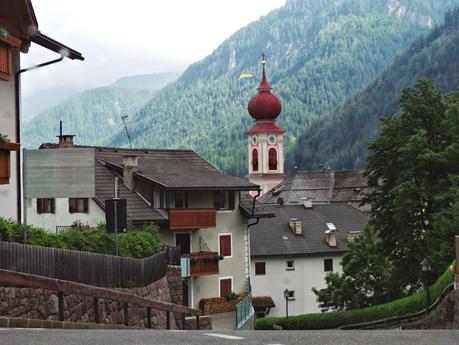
{"points": [[42, 304]]}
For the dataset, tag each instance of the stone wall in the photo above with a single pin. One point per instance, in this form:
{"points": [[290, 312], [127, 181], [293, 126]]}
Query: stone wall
{"points": [[43, 304]]}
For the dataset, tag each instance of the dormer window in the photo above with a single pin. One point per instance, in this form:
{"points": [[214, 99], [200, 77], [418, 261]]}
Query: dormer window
{"points": [[272, 158]]}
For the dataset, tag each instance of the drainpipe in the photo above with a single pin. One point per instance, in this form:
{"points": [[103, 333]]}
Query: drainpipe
{"points": [[248, 238], [17, 86]]}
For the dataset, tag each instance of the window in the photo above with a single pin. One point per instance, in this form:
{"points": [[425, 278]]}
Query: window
{"points": [[224, 200], [181, 200], [162, 199], [226, 286], [260, 268], [290, 265], [272, 159], [78, 205], [291, 295], [328, 265], [255, 160], [46, 205], [225, 245]]}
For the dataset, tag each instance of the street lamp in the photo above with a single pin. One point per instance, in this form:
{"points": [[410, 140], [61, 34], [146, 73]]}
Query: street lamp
{"points": [[426, 268], [286, 296]]}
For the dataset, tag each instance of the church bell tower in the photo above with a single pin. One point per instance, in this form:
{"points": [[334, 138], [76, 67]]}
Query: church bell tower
{"points": [[265, 139]]}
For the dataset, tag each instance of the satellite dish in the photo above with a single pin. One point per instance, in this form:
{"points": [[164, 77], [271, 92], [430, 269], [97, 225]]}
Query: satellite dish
{"points": [[280, 201]]}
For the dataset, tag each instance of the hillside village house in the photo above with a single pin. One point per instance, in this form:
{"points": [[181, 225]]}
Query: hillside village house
{"points": [[316, 214], [18, 29], [196, 206]]}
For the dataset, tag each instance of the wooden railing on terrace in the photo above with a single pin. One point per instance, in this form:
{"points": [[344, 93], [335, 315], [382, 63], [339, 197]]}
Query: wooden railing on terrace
{"points": [[203, 263], [192, 218], [62, 287]]}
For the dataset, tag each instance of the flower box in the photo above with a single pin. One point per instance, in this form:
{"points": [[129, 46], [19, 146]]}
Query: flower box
{"points": [[217, 305]]}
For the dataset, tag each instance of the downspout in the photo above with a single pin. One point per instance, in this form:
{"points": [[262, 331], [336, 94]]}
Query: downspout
{"points": [[248, 238], [17, 101]]}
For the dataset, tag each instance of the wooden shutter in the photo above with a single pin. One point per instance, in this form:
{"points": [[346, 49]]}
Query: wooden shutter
{"points": [[39, 205], [72, 205], [5, 62], [272, 159], [225, 245], [225, 287], [260, 268]]}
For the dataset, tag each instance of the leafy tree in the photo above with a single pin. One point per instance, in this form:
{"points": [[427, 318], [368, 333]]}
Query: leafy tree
{"points": [[413, 172]]}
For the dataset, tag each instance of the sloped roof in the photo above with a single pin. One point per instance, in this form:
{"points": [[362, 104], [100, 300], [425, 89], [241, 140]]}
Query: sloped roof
{"points": [[321, 187], [137, 209], [274, 236], [259, 211]]}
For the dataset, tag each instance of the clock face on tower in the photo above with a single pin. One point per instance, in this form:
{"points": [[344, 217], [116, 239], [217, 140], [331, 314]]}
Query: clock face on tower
{"points": [[272, 139], [254, 140]]}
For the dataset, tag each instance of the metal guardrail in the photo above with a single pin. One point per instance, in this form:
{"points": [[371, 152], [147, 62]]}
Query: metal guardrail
{"points": [[399, 320], [244, 311]]}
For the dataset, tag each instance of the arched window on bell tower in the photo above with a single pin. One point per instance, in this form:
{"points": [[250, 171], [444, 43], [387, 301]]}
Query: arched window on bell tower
{"points": [[272, 158], [255, 160]]}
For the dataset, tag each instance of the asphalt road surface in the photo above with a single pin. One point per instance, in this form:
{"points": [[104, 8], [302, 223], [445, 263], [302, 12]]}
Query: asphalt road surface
{"points": [[135, 337]]}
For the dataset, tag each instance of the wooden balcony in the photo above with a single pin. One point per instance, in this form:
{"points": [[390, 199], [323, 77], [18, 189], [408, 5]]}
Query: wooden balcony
{"points": [[192, 218], [202, 263]]}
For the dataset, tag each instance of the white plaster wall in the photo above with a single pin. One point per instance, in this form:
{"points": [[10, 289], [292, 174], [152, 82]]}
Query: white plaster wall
{"points": [[308, 273], [227, 222], [8, 192], [62, 216]]}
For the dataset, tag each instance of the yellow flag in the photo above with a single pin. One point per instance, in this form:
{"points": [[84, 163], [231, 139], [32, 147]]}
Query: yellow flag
{"points": [[245, 74]]}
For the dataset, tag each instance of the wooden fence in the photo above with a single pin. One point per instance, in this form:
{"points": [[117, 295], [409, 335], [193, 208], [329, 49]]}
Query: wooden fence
{"points": [[83, 267]]}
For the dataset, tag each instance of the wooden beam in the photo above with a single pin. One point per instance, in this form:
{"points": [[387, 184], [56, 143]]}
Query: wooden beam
{"points": [[29, 280]]}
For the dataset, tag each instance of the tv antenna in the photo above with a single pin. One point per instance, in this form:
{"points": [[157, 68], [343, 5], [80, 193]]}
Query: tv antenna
{"points": [[123, 119]]}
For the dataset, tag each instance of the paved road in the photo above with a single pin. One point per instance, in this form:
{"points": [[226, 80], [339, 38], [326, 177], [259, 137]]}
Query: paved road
{"points": [[131, 337]]}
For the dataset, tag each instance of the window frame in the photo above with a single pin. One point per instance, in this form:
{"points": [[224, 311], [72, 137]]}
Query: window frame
{"points": [[264, 268], [255, 163], [272, 149], [41, 209], [292, 268], [73, 205], [291, 296], [220, 286], [230, 243], [328, 260], [229, 199]]}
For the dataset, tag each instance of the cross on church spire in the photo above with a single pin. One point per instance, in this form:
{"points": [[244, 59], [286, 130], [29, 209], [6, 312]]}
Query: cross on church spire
{"points": [[263, 58]]}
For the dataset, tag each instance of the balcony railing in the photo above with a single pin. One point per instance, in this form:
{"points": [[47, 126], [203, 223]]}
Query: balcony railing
{"points": [[199, 264], [192, 218]]}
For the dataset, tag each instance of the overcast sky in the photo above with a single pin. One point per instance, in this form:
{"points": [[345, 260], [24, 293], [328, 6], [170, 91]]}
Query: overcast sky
{"points": [[119, 38]]}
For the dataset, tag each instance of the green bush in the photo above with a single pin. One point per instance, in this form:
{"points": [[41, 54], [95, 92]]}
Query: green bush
{"points": [[137, 244], [406, 305]]}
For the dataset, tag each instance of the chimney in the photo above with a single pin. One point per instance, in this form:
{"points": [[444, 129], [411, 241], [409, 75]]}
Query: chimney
{"points": [[295, 225], [65, 140], [306, 202], [130, 167]]}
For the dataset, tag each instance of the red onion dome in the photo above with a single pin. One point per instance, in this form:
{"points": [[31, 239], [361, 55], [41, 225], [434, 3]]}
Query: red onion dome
{"points": [[264, 105]]}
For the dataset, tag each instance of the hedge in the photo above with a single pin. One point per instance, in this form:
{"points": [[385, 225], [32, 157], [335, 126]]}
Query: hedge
{"points": [[402, 306], [136, 244]]}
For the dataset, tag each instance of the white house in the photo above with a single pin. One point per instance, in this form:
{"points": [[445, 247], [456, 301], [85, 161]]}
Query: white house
{"points": [[18, 29], [195, 205], [295, 250]]}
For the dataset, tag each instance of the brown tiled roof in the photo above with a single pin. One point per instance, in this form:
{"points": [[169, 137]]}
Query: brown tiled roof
{"points": [[138, 210], [321, 187], [246, 206], [263, 302], [274, 236]]}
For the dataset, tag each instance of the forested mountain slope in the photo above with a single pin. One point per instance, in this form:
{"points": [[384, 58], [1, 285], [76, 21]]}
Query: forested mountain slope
{"points": [[94, 115], [91, 115], [339, 140], [319, 53]]}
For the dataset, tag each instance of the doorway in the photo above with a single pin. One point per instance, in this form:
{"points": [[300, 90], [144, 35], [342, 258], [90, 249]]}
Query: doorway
{"points": [[183, 239]]}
